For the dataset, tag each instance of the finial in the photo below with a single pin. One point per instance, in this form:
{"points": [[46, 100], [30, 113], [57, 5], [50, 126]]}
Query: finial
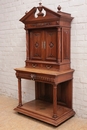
{"points": [[59, 8], [40, 4], [40, 8], [26, 12]]}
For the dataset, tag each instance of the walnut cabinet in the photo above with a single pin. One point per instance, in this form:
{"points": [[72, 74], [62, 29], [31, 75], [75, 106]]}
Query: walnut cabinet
{"points": [[48, 64]]}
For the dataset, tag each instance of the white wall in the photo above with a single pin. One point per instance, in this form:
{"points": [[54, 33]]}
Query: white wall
{"points": [[12, 47]]}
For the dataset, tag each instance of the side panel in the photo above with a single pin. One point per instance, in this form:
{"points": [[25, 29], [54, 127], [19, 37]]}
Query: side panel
{"points": [[66, 44]]}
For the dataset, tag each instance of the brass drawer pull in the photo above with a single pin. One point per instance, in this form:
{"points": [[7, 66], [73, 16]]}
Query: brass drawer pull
{"points": [[34, 65], [48, 66], [33, 76]]}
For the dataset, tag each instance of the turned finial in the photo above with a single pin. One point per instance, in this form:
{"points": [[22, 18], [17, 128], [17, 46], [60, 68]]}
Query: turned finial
{"points": [[26, 12], [40, 4], [59, 8]]}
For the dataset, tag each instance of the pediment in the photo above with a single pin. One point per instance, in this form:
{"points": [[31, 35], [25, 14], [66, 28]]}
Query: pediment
{"points": [[39, 14]]}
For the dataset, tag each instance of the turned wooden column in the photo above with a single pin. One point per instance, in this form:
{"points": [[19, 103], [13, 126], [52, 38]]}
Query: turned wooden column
{"points": [[54, 101], [19, 92]]}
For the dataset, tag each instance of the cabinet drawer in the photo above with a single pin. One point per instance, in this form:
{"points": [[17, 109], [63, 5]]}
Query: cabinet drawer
{"points": [[23, 75], [43, 66], [50, 67], [34, 76], [33, 65]]}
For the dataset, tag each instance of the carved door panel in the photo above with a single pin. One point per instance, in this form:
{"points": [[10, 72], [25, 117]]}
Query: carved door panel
{"points": [[51, 44], [43, 44], [36, 37]]}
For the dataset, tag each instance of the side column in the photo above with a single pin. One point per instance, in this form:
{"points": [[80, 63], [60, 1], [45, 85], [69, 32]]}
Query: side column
{"points": [[54, 101], [19, 92]]}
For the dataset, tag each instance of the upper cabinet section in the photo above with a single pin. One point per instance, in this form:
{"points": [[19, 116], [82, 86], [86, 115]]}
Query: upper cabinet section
{"points": [[43, 45], [47, 38], [41, 16]]}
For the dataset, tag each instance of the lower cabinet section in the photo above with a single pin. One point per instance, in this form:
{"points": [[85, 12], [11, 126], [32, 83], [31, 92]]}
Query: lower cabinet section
{"points": [[53, 95], [43, 111]]}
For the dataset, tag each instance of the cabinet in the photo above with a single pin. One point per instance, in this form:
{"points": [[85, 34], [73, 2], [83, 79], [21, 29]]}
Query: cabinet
{"points": [[48, 64], [43, 43]]}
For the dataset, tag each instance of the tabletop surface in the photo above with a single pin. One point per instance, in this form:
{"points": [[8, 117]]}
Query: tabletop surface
{"points": [[42, 71]]}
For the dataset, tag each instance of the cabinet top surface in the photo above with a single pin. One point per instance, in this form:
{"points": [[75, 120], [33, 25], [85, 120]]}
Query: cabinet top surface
{"points": [[42, 71]]}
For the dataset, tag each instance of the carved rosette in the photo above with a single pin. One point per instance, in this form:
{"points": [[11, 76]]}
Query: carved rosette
{"points": [[36, 44], [51, 45]]}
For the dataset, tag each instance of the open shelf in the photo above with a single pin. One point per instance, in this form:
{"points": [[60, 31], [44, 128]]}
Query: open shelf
{"points": [[44, 111]]}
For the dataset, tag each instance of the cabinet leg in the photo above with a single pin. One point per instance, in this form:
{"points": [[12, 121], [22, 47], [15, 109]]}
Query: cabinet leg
{"points": [[54, 101], [19, 92]]}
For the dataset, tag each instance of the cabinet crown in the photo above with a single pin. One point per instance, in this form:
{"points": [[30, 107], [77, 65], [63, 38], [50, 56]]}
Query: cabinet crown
{"points": [[43, 14]]}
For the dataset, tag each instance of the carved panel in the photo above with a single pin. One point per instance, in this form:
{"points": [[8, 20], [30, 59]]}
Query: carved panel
{"points": [[44, 78], [51, 44], [66, 45], [35, 44], [41, 24]]}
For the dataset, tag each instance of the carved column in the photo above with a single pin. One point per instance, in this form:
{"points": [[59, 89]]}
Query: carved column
{"points": [[27, 45], [54, 101], [59, 40], [19, 92]]}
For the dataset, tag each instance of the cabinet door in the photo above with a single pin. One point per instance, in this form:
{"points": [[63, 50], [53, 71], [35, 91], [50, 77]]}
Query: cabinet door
{"points": [[36, 37], [51, 44]]}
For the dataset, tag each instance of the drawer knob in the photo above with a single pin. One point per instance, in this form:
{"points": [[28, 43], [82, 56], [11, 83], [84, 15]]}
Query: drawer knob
{"points": [[48, 66], [33, 76], [34, 65]]}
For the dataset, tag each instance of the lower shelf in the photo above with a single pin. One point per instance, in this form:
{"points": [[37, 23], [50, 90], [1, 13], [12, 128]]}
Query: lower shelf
{"points": [[43, 111]]}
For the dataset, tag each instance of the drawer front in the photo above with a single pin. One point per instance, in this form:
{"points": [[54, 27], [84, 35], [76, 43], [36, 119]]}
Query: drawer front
{"points": [[43, 66], [23, 75], [33, 65], [36, 77], [50, 67]]}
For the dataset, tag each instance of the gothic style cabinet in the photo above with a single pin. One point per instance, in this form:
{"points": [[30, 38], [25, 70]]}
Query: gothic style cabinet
{"points": [[48, 64]]}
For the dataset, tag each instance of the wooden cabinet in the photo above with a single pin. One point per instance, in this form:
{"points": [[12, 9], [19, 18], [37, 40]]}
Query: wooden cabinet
{"points": [[48, 64]]}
